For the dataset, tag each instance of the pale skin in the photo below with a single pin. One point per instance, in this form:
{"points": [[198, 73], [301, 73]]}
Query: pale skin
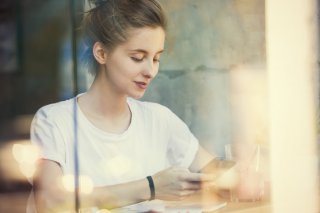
{"points": [[124, 72]]}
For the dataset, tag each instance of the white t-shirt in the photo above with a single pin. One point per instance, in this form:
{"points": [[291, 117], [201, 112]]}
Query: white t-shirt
{"points": [[155, 140]]}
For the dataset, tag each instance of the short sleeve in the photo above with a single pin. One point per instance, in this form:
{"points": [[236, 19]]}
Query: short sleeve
{"points": [[46, 136], [182, 145]]}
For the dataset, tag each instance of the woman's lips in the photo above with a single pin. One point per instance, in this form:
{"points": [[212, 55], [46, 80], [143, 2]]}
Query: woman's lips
{"points": [[141, 85]]}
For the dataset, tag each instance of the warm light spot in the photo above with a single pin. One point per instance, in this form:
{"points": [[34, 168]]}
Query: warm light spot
{"points": [[25, 153], [68, 183], [27, 169], [86, 184], [293, 70], [229, 179], [118, 166]]}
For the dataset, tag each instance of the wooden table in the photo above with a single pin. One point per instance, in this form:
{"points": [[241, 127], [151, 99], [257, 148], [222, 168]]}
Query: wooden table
{"points": [[209, 199], [246, 207], [16, 203]]}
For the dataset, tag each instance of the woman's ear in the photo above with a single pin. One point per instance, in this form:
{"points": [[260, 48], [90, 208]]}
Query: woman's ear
{"points": [[99, 52]]}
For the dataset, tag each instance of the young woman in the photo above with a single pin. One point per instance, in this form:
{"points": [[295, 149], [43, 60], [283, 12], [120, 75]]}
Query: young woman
{"points": [[132, 151]]}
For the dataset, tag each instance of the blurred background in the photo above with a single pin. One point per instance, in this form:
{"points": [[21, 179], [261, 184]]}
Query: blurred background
{"points": [[212, 75]]}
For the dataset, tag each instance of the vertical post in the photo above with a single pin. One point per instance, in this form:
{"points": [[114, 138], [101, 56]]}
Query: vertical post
{"points": [[73, 19], [291, 32]]}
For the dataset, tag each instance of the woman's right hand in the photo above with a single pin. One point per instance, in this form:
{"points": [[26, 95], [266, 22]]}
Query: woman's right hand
{"points": [[176, 183]]}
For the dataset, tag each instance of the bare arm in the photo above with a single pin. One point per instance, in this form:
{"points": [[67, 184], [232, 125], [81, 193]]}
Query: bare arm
{"points": [[170, 184], [51, 196]]}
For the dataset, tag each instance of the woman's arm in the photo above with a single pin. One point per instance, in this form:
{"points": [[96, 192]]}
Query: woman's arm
{"points": [[170, 184], [51, 196]]}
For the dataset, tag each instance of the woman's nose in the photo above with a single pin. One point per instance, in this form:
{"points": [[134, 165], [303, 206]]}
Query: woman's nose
{"points": [[150, 69]]}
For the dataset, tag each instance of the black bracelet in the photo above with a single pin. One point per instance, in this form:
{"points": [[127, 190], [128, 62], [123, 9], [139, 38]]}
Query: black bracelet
{"points": [[151, 186]]}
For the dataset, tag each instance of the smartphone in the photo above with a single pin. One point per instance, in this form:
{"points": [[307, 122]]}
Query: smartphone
{"points": [[217, 167]]}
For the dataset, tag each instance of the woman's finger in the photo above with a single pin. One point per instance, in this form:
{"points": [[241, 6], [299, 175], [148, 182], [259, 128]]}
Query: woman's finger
{"points": [[195, 185], [185, 193], [197, 177]]}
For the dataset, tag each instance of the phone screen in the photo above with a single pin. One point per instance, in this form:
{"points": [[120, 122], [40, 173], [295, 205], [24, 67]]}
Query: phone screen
{"points": [[218, 166]]}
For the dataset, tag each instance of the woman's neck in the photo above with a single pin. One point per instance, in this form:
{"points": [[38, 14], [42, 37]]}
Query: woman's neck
{"points": [[105, 108], [105, 100]]}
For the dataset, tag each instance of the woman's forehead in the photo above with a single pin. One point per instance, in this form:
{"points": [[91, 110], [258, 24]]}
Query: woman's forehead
{"points": [[145, 39]]}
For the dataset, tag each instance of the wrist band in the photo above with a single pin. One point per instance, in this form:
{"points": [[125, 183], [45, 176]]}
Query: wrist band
{"points": [[151, 186]]}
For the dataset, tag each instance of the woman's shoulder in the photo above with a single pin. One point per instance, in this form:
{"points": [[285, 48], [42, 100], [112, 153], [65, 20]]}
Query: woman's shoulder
{"points": [[58, 109]]}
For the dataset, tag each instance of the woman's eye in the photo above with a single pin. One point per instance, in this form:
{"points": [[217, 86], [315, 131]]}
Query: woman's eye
{"points": [[156, 60], [136, 59]]}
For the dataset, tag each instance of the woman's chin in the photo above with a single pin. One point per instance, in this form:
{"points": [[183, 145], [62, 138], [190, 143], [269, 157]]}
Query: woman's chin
{"points": [[136, 96]]}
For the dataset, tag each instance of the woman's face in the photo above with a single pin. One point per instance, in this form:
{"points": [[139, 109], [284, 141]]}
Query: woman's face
{"points": [[131, 66]]}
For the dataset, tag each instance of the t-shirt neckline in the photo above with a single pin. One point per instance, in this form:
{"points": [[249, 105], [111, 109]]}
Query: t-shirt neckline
{"points": [[109, 135]]}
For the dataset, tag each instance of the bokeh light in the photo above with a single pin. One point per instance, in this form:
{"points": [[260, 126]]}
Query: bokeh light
{"points": [[26, 155], [86, 183], [119, 165]]}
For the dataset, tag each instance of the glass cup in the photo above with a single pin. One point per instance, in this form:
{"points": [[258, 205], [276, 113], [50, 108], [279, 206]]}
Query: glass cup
{"points": [[250, 181]]}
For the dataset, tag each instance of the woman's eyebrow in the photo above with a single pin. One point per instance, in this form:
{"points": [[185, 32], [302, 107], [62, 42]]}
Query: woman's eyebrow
{"points": [[144, 51]]}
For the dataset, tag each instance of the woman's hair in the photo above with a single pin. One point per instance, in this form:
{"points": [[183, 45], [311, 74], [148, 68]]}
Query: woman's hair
{"points": [[110, 21]]}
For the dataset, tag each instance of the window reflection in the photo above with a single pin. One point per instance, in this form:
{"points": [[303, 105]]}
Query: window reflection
{"points": [[213, 76]]}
